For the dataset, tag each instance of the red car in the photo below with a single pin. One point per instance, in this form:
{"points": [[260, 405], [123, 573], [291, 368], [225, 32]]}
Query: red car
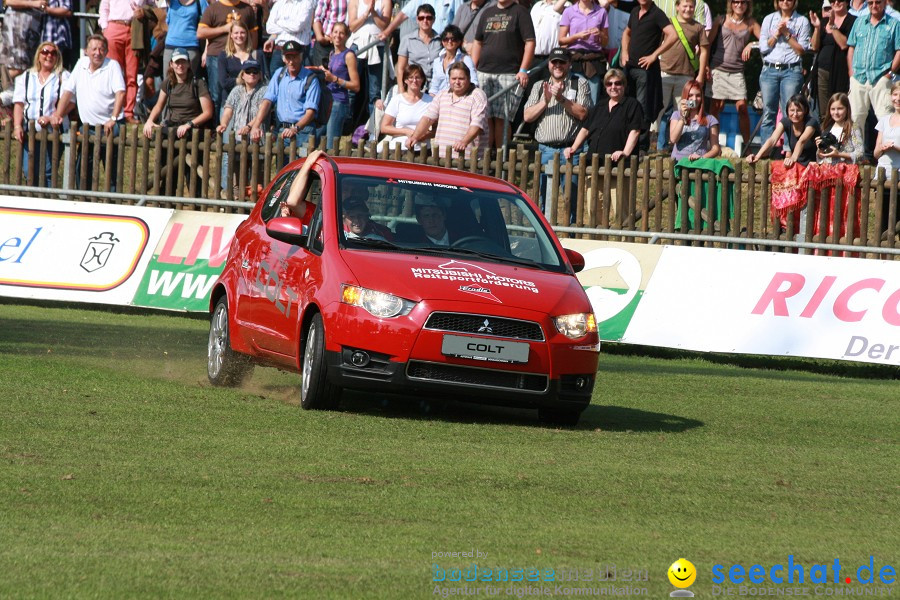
{"points": [[406, 278]]}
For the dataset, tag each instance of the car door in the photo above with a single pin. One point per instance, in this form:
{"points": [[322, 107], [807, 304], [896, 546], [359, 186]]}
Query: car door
{"points": [[283, 275]]}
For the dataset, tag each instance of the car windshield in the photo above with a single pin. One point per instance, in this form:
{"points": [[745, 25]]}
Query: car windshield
{"points": [[429, 218]]}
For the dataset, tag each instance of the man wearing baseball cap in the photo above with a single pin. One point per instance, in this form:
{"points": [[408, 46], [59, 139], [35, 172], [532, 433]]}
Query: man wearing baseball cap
{"points": [[558, 107], [295, 92]]}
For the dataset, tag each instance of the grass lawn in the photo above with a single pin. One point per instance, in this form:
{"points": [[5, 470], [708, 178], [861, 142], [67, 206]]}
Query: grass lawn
{"points": [[124, 474]]}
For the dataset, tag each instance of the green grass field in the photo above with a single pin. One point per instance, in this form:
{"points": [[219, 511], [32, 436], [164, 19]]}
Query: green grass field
{"points": [[124, 474]]}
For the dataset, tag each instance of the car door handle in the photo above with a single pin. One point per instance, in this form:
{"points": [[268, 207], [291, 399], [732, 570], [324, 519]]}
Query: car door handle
{"points": [[245, 264]]}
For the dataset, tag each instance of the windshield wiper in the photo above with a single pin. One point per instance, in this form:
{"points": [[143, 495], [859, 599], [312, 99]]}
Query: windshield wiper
{"points": [[374, 243], [496, 257]]}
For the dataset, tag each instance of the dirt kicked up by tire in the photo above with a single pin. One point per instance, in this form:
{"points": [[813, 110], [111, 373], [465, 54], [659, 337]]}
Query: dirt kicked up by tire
{"points": [[224, 366]]}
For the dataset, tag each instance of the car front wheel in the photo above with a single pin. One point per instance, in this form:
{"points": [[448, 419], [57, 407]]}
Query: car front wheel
{"points": [[316, 392], [224, 366]]}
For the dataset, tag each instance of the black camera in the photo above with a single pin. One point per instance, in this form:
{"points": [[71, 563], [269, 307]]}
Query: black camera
{"points": [[827, 142]]}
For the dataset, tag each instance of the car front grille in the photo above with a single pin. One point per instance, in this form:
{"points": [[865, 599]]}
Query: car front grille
{"points": [[475, 377], [485, 325]]}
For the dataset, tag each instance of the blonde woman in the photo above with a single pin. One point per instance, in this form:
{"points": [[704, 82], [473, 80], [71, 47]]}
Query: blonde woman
{"points": [[36, 93], [238, 49]]}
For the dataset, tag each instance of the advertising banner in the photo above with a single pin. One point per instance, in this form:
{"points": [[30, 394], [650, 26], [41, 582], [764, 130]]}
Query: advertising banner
{"points": [[736, 301], [187, 261], [75, 251]]}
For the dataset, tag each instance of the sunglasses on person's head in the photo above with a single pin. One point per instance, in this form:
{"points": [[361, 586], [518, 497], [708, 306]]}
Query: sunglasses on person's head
{"points": [[740, 2], [426, 18], [558, 61], [251, 71], [615, 83], [450, 38], [48, 51]]}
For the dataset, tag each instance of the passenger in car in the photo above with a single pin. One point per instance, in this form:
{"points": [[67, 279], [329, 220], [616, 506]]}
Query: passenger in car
{"points": [[296, 204], [358, 224]]}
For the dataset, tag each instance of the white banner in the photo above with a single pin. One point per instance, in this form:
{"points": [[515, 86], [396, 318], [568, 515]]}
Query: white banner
{"points": [[75, 251], [766, 303]]}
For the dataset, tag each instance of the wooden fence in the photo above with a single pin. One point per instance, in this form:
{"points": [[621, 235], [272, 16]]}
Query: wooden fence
{"points": [[631, 196]]}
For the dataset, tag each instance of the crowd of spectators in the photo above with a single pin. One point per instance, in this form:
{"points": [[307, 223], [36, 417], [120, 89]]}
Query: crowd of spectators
{"points": [[598, 75]]}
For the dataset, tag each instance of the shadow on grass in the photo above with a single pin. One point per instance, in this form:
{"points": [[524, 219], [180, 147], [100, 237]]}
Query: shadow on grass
{"points": [[602, 418]]}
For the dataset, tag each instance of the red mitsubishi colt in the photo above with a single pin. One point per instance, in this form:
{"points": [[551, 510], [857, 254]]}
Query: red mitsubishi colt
{"points": [[410, 279]]}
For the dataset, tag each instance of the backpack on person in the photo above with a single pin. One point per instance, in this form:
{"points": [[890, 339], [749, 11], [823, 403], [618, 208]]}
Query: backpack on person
{"points": [[167, 88], [326, 100]]}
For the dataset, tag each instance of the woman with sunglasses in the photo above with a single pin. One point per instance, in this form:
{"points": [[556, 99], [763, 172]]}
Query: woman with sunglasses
{"points": [[241, 107], [730, 37], [614, 124], [420, 47], [784, 37], [453, 51], [829, 40], [36, 93]]}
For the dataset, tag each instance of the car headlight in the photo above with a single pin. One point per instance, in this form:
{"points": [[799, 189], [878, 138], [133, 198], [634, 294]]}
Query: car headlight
{"points": [[378, 304], [575, 326]]}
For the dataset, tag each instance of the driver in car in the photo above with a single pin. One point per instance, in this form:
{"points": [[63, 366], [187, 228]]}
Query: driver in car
{"points": [[358, 224], [432, 218]]}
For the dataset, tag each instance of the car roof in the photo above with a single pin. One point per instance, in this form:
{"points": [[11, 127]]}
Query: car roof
{"points": [[417, 172]]}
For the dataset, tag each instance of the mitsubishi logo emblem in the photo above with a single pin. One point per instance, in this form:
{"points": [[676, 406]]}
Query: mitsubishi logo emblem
{"points": [[486, 328]]}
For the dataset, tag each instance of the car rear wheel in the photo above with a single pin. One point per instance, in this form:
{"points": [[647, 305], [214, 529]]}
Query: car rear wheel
{"points": [[224, 366], [316, 392], [559, 416]]}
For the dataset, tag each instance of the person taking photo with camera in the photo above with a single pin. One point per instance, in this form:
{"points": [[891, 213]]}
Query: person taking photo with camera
{"points": [[693, 133]]}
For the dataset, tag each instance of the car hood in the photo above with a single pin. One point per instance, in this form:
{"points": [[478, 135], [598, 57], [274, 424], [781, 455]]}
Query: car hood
{"points": [[418, 277]]}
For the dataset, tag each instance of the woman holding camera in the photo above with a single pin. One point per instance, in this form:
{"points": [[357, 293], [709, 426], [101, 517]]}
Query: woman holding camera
{"points": [[840, 140], [693, 133]]}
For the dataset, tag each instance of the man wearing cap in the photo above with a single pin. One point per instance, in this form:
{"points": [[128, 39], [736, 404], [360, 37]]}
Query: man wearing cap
{"points": [[874, 58], [559, 107], [98, 88], [295, 92], [357, 223]]}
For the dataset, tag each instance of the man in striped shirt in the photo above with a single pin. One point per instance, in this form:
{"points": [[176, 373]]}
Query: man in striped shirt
{"points": [[558, 107], [461, 115]]}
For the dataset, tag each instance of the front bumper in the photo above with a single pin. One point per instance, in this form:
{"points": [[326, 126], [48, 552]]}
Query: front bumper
{"points": [[466, 383]]}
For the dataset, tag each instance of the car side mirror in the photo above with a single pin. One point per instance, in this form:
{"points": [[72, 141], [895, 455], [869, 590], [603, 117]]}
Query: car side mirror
{"points": [[576, 259], [290, 230]]}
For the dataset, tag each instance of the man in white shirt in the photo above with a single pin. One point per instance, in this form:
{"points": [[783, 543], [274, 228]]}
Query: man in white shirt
{"points": [[98, 89], [289, 21]]}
